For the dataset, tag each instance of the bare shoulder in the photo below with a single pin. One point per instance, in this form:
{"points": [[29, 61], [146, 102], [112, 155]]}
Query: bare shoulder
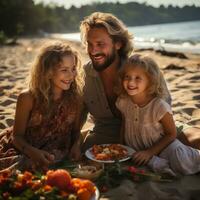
{"points": [[25, 98]]}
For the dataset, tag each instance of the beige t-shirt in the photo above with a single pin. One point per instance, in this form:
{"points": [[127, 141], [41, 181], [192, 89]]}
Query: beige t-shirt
{"points": [[96, 103], [142, 126]]}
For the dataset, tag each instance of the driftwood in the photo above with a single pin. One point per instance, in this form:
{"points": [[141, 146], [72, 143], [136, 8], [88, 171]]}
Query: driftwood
{"points": [[174, 67], [172, 54], [147, 49]]}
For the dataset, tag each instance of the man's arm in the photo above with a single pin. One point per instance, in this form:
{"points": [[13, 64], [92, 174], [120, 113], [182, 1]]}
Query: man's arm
{"points": [[83, 115]]}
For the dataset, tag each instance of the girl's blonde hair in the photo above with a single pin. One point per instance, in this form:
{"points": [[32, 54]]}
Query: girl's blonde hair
{"points": [[157, 86], [40, 86], [115, 28]]}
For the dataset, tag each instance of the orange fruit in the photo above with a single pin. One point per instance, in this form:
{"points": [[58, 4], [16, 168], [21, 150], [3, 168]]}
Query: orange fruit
{"points": [[59, 178], [88, 185], [76, 183], [83, 194]]}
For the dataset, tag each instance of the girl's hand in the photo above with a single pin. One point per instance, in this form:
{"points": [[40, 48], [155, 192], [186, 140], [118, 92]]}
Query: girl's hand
{"points": [[142, 157], [41, 158], [75, 152]]}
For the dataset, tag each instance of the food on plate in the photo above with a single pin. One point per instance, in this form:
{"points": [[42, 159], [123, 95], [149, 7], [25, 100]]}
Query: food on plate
{"points": [[84, 188], [88, 171], [109, 152]]}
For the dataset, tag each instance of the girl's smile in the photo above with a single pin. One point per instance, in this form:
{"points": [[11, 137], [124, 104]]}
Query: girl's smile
{"points": [[135, 81], [64, 74], [67, 82]]}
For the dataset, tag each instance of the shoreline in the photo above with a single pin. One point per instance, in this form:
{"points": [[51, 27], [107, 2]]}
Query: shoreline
{"points": [[140, 43], [182, 76]]}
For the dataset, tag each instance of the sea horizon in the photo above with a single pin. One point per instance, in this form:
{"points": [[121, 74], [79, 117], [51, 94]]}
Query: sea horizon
{"points": [[177, 37]]}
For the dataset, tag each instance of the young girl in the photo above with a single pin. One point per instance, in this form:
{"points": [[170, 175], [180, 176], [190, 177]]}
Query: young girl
{"points": [[148, 124], [46, 128]]}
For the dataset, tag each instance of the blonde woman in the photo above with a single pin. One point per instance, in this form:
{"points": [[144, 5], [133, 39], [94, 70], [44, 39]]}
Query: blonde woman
{"points": [[46, 128], [148, 125]]}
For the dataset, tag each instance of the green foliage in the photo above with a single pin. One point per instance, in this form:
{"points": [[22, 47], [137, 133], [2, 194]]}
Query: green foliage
{"points": [[19, 17], [114, 173], [3, 37], [179, 129], [16, 14]]}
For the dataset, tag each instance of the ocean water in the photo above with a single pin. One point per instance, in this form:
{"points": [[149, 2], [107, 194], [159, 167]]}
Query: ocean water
{"points": [[180, 37]]}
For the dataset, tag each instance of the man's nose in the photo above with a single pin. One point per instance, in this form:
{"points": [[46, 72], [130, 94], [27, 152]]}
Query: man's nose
{"points": [[93, 50]]}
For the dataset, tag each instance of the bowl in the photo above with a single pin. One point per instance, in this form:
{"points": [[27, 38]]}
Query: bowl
{"points": [[88, 171]]}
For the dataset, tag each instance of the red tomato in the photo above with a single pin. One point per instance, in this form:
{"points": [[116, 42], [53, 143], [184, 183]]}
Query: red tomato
{"points": [[59, 178]]}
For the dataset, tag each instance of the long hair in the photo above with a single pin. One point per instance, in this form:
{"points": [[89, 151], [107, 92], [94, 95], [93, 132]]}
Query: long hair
{"points": [[115, 28], [157, 87], [40, 84]]}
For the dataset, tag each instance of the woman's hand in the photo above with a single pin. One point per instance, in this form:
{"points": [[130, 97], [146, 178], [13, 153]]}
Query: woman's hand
{"points": [[142, 157], [41, 158]]}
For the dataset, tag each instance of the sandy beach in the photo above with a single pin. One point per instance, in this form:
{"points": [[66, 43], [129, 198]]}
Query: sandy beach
{"points": [[15, 63], [182, 76]]}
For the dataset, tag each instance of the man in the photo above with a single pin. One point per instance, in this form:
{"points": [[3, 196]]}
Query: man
{"points": [[108, 44]]}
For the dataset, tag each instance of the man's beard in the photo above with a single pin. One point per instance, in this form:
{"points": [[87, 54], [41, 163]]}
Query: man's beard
{"points": [[108, 61]]}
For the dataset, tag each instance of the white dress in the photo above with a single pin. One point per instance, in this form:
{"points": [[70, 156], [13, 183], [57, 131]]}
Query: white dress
{"points": [[143, 129]]}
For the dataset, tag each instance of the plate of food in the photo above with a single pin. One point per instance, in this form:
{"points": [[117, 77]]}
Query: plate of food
{"points": [[109, 153], [88, 171], [20, 184], [96, 195]]}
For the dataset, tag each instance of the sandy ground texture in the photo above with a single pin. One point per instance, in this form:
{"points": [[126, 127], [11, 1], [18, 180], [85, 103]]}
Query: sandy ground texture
{"points": [[182, 75], [15, 64]]}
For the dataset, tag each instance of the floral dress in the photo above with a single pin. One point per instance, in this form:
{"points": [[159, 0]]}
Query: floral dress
{"points": [[52, 132]]}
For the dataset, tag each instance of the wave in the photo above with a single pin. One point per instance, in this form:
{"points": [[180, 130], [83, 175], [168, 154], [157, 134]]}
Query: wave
{"points": [[184, 46]]}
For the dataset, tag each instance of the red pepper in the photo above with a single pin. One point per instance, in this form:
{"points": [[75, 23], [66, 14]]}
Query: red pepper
{"points": [[132, 169], [104, 189]]}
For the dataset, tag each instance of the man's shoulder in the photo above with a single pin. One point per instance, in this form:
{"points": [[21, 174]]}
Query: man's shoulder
{"points": [[89, 70], [87, 66]]}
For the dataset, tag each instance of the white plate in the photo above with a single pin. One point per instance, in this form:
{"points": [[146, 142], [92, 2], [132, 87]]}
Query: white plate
{"points": [[91, 156], [96, 195]]}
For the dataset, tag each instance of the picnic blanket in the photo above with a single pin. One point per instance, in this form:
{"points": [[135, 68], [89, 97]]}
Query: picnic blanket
{"points": [[184, 188]]}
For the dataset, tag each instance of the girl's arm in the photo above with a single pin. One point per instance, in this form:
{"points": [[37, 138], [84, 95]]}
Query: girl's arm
{"points": [[142, 157], [23, 110], [169, 134]]}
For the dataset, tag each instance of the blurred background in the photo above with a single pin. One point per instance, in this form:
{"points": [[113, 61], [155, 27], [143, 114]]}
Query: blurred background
{"points": [[169, 24]]}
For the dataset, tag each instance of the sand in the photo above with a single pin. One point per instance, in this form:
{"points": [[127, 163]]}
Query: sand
{"points": [[182, 75], [15, 63]]}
